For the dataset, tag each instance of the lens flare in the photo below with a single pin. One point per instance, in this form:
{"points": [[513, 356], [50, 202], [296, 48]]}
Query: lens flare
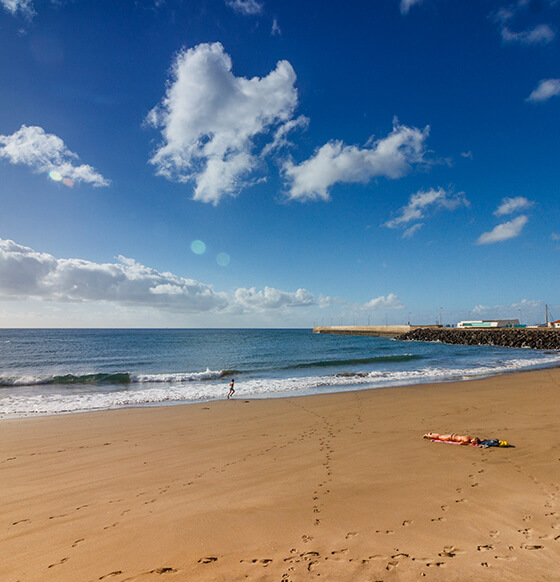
{"points": [[56, 176], [198, 247], [68, 182], [223, 259]]}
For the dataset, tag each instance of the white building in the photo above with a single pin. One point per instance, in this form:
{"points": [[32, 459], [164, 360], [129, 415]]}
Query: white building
{"points": [[490, 323]]}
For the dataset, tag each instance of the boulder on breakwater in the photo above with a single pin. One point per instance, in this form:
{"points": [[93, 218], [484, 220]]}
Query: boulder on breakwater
{"points": [[507, 337]]}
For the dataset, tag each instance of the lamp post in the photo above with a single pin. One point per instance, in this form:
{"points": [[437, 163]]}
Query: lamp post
{"points": [[440, 318]]}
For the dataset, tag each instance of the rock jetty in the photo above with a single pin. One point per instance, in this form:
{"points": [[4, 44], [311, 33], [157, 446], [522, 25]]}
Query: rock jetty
{"points": [[538, 339]]}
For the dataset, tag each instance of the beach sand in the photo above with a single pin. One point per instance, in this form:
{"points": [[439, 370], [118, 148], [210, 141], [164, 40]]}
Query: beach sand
{"points": [[337, 487]]}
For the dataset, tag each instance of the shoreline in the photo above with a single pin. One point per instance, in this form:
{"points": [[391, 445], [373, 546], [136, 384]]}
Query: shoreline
{"points": [[281, 395], [339, 485]]}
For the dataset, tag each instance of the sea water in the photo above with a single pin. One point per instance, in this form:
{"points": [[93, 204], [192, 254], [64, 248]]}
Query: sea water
{"points": [[62, 371]]}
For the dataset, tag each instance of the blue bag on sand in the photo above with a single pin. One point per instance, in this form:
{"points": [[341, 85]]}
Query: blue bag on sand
{"points": [[490, 443]]}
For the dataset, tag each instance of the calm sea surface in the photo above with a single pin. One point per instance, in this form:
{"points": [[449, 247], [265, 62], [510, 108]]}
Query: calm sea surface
{"points": [[61, 371]]}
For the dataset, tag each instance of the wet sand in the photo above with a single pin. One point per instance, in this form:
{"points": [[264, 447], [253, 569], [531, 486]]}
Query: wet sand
{"points": [[337, 487]]}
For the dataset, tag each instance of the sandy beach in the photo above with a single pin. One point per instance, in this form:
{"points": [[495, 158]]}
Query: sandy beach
{"points": [[335, 487]]}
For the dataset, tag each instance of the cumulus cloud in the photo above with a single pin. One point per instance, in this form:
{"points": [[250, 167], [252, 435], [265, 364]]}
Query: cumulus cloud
{"points": [[209, 119], [253, 300], [46, 153], [511, 205], [422, 202], [25, 7], [26, 273], [546, 89], [406, 5], [391, 157], [505, 231], [245, 7], [390, 301]]}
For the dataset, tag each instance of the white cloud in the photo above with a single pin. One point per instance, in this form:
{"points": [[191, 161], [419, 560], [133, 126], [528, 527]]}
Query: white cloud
{"points": [[253, 300], [541, 34], [505, 231], [390, 301], [532, 311], [423, 201], [546, 89], [335, 162], [47, 153], [25, 7], [29, 274], [510, 205], [406, 5], [210, 118], [245, 7], [410, 232], [275, 31]]}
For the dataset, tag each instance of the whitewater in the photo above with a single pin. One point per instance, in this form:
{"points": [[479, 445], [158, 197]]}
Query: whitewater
{"points": [[65, 371]]}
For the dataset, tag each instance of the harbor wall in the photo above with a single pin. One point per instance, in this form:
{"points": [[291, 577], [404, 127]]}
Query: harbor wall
{"points": [[541, 338], [372, 330]]}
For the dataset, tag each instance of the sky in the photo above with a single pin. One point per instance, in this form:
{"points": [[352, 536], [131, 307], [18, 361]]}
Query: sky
{"points": [[267, 163]]}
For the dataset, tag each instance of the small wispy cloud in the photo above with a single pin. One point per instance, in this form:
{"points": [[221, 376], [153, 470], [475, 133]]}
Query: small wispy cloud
{"points": [[46, 153], [421, 204], [275, 31], [406, 5], [540, 34], [245, 7], [546, 89], [23, 7], [504, 231], [511, 205]]}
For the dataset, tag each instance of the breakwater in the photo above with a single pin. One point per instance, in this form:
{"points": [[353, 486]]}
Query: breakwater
{"points": [[372, 330], [536, 338]]}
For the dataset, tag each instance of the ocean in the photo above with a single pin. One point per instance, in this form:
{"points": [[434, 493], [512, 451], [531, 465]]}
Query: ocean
{"points": [[59, 371]]}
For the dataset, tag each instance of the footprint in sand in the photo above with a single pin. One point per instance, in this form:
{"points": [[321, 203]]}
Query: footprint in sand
{"points": [[208, 560], [58, 563], [351, 534], [23, 521], [531, 547], [263, 561], [485, 548], [406, 522], [115, 573]]}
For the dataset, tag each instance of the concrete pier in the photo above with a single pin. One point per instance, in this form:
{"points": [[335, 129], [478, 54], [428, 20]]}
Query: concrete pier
{"points": [[372, 330]]}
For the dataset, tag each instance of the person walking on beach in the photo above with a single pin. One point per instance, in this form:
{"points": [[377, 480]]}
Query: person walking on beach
{"points": [[231, 389]]}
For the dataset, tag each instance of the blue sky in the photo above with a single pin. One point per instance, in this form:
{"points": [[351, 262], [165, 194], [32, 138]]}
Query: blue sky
{"points": [[256, 163]]}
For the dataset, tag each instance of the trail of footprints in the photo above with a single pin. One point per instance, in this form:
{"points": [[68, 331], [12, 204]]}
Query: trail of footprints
{"points": [[311, 560]]}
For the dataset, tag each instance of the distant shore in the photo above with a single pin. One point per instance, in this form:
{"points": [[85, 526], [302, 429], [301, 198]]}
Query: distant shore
{"points": [[340, 486]]}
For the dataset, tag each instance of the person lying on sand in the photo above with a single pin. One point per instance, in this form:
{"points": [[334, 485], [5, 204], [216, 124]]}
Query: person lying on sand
{"points": [[453, 438], [466, 440]]}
